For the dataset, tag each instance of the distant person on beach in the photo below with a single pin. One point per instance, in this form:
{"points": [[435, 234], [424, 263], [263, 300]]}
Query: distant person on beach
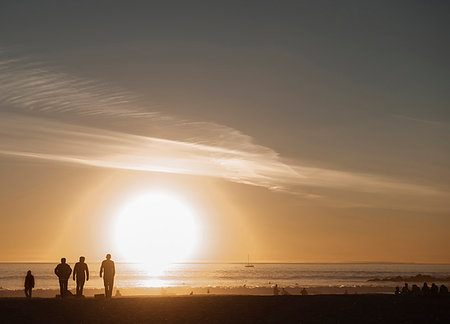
{"points": [[108, 271], [425, 289], [443, 290], [405, 290], [434, 290], [397, 291], [63, 271], [29, 284], [275, 290], [81, 272], [415, 290], [304, 292]]}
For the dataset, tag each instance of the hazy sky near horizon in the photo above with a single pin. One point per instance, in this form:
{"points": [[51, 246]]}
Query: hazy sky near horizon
{"points": [[308, 131]]}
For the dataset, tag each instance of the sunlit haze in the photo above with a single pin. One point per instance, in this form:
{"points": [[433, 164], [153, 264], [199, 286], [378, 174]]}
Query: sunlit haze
{"points": [[165, 132]]}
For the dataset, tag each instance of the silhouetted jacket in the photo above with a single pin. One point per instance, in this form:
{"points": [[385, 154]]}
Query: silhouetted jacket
{"points": [[63, 271], [29, 281], [81, 271], [108, 268]]}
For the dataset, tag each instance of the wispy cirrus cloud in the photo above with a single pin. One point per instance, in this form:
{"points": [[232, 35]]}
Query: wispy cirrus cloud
{"points": [[201, 148], [421, 120], [39, 105]]}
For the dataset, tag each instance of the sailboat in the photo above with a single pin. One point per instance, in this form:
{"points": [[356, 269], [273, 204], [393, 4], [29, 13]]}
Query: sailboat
{"points": [[249, 265]]}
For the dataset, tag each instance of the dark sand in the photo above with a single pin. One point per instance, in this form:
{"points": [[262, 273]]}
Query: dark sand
{"points": [[229, 309]]}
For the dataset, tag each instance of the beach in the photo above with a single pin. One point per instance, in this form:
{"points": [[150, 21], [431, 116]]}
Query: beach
{"points": [[368, 308]]}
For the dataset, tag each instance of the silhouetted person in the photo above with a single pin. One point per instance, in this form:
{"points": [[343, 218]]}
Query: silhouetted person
{"points": [[275, 290], [109, 271], [63, 271], [443, 290], [81, 272], [405, 290], [304, 292], [434, 290], [415, 290], [29, 284], [425, 289], [397, 291]]}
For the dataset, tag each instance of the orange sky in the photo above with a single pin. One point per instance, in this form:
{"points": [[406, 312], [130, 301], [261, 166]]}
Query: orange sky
{"points": [[297, 132], [67, 210]]}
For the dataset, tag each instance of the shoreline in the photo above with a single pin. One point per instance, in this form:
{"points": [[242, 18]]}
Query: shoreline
{"points": [[187, 290]]}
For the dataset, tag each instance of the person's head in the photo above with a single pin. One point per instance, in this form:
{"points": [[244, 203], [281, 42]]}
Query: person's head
{"points": [[82, 259], [63, 260], [108, 256], [29, 272]]}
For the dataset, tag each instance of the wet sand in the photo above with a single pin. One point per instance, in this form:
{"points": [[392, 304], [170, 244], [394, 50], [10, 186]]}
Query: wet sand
{"points": [[186, 290], [229, 309]]}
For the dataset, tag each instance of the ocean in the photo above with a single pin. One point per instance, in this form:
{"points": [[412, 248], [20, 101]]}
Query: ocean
{"points": [[225, 275]]}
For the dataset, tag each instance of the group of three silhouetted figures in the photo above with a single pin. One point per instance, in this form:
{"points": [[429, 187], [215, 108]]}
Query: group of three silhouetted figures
{"points": [[80, 274]]}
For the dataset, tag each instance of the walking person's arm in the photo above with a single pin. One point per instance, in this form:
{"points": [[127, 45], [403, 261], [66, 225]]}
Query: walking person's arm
{"points": [[101, 270], [113, 269], [87, 273], [75, 270]]}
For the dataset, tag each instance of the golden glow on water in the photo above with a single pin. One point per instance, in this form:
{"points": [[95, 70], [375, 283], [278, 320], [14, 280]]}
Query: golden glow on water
{"points": [[155, 229]]}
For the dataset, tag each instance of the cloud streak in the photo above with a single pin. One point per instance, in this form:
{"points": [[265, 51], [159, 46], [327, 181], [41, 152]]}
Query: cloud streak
{"points": [[37, 104], [45, 139]]}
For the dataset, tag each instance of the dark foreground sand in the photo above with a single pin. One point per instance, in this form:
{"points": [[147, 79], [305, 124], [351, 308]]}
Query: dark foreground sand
{"points": [[229, 309]]}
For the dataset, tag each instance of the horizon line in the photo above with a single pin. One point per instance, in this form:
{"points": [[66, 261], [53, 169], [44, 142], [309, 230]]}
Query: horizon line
{"points": [[243, 262]]}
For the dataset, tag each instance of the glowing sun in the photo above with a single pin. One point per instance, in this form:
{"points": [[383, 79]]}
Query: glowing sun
{"points": [[155, 229]]}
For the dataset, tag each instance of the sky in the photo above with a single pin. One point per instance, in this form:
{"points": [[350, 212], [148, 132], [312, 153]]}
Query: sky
{"points": [[298, 131]]}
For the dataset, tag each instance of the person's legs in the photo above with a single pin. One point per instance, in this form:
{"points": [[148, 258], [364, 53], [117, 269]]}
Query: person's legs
{"points": [[111, 282], [61, 288], [80, 285], [105, 283], [27, 294], [108, 288], [64, 287]]}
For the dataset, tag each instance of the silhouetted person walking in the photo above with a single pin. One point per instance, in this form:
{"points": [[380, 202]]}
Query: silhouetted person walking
{"points": [[81, 272], [109, 271], [63, 271], [425, 289], [29, 284]]}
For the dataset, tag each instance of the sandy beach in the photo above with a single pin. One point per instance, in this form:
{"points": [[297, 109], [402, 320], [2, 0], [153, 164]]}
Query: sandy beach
{"points": [[374, 308]]}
